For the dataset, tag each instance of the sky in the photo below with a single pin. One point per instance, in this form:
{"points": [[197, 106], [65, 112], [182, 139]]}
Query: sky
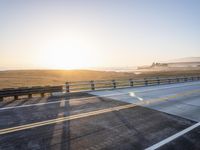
{"points": [[78, 34]]}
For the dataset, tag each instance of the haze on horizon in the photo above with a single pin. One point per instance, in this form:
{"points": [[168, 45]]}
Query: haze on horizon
{"points": [[62, 34]]}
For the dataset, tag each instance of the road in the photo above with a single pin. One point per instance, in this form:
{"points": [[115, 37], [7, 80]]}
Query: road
{"points": [[177, 99], [163, 117]]}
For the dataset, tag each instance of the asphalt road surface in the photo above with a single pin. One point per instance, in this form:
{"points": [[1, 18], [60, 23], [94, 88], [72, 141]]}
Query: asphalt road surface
{"points": [[154, 117]]}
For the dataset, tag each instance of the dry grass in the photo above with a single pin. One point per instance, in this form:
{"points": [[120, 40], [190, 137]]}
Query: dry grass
{"points": [[23, 78]]}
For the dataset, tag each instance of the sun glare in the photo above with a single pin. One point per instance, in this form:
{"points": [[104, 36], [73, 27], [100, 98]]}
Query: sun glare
{"points": [[62, 57]]}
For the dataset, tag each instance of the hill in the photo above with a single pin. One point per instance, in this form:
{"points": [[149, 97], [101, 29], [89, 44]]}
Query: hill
{"points": [[186, 59]]}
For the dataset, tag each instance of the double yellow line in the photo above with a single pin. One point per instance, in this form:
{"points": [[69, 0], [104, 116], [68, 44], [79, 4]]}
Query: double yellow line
{"points": [[72, 117], [93, 113]]}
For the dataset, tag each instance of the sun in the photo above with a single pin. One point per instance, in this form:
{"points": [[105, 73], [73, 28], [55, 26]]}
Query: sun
{"points": [[66, 56]]}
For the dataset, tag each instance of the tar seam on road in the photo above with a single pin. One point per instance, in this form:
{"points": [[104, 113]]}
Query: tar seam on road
{"points": [[173, 137], [107, 95], [82, 115]]}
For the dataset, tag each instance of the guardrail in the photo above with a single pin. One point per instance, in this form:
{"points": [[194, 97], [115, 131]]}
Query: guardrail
{"points": [[82, 86], [16, 92], [113, 84]]}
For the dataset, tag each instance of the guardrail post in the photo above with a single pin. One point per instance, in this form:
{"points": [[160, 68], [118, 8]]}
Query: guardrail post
{"points": [[177, 79], [16, 97], [131, 82], [169, 81], [146, 82], [158, 81], [114, 84], [92, 85], [67, 87], [29, 95], [198, 78], [192, 78], [185, 79], [42, 94]]}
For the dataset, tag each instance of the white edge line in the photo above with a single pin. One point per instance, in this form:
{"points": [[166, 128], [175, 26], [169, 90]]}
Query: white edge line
{"points": [[173, 137], [47, 103]]}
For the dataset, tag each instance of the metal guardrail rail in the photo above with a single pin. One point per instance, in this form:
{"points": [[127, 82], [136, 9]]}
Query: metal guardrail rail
{"points": [[81, 86], [16, 92]]}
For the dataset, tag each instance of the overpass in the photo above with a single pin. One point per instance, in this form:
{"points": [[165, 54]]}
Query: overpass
{"points": [[147, 117]]}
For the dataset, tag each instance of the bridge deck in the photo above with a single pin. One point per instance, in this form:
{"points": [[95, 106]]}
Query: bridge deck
{"points": [[101, 121]]}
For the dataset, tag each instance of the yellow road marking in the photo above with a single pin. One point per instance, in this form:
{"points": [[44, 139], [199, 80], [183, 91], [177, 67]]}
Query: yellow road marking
{"points": [[171, 96], [72, 117], [98, 112]]}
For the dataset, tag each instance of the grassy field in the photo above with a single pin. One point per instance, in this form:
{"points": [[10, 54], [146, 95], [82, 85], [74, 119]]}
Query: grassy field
{"points": [[23, 78]]}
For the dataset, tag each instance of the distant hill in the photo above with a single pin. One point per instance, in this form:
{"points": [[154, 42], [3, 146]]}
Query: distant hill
{"points": [[186, 59], [187, 63]]}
